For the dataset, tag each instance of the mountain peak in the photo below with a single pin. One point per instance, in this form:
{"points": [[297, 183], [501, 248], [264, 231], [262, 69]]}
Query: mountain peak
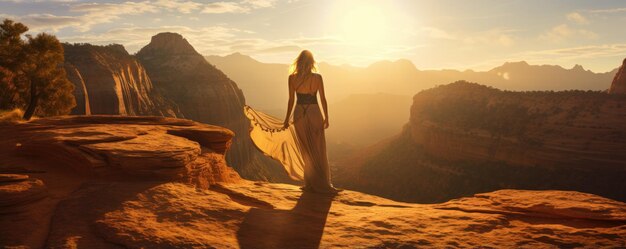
{"points": [[511, 66], [405, 62], [240, 56], [516, 63], [398, 64], [168, 43], [578, 67]]}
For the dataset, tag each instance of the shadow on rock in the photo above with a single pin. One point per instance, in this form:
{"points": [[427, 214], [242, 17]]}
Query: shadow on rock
{"points": [[300, 227]]}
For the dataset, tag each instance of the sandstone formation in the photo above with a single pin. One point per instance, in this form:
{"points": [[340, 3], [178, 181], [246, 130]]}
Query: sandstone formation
{"points": [[204, 94], [48, 160], [153, 182], [264, 215], [465, 138], [108, 80], [619, 81], [18, 190]]}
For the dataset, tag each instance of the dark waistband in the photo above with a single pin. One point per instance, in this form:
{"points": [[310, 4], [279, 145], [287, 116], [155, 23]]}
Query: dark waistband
{"points": [[304, 99]]}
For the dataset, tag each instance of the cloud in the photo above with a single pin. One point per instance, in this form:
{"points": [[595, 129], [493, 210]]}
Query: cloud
{"points": [[124, 8], [43, 22], [260, 3], [501, 37], [39, 1], [614, 10], [593, 51], [496, 36], [89, 14], [315, 40], [280, 49], [224, 7], [564, 32], [184, 7], [83, 16], [244, 6], [577, 18], [438, 33]]}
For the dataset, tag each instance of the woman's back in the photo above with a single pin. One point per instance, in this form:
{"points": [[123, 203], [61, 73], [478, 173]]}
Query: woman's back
{"points": [[306, 84]]}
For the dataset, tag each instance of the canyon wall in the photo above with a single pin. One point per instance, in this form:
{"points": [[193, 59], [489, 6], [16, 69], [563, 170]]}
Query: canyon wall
{"points": [[108, 80], [167, 78], [570, 129], [464, 138], [205, 94], [619, 81]]}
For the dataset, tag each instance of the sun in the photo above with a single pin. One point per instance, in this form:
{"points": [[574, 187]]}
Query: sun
{"points": [[363, 23]]}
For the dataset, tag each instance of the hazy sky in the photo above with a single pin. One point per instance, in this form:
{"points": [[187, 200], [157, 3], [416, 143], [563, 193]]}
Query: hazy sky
{"points": [[477, 34]]}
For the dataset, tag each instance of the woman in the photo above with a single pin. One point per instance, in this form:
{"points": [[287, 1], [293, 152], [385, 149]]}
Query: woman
{"points": [[301, 147], [309, 124]]}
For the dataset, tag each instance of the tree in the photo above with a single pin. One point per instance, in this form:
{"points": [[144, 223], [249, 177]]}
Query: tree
{"points": [[48, 82], [12, 61], [31, 73]]}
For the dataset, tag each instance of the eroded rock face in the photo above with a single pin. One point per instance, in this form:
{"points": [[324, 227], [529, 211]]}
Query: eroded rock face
{"points": [[204, 94], [464, 138], [16, 190], [153, 182], [108, 80], [619, 82], [153, 147], [264, 215], [48, 160]]}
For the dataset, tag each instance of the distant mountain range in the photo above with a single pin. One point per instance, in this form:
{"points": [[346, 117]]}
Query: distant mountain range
{"points": [[262, 82]]}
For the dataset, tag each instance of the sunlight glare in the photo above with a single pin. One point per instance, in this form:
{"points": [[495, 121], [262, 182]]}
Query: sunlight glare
{"points": [[363, 23]]}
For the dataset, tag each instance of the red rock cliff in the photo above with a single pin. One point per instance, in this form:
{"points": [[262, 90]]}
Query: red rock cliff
{"points": [[619, 82], [464, 138], [110, 81], [205, 94], [570, 129]]}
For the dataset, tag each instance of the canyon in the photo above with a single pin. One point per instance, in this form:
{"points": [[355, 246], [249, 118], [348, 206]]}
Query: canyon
{"points": [[157, 182], [465, 138], [166, 78]]}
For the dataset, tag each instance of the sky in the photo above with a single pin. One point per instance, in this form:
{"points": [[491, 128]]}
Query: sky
{"points": [[435, 34]]}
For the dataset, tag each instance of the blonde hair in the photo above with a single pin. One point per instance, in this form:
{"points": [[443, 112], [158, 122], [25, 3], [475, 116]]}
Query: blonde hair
{"points": [[303, 65]]}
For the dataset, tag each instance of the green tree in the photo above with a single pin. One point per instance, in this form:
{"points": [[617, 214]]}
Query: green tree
{"points": [[48, 82], [12, 60], [31, 74]]}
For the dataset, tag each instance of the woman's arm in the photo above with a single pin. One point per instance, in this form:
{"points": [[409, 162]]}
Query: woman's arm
{"points": [[292, 93], [324, 103]]}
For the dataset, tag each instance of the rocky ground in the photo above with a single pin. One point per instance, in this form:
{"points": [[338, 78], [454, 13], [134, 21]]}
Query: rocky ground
{"points": [[147, 182]]}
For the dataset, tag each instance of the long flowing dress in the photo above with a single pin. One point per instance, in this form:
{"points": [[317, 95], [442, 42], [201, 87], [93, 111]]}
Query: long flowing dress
{"points": [[301, 148]]}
